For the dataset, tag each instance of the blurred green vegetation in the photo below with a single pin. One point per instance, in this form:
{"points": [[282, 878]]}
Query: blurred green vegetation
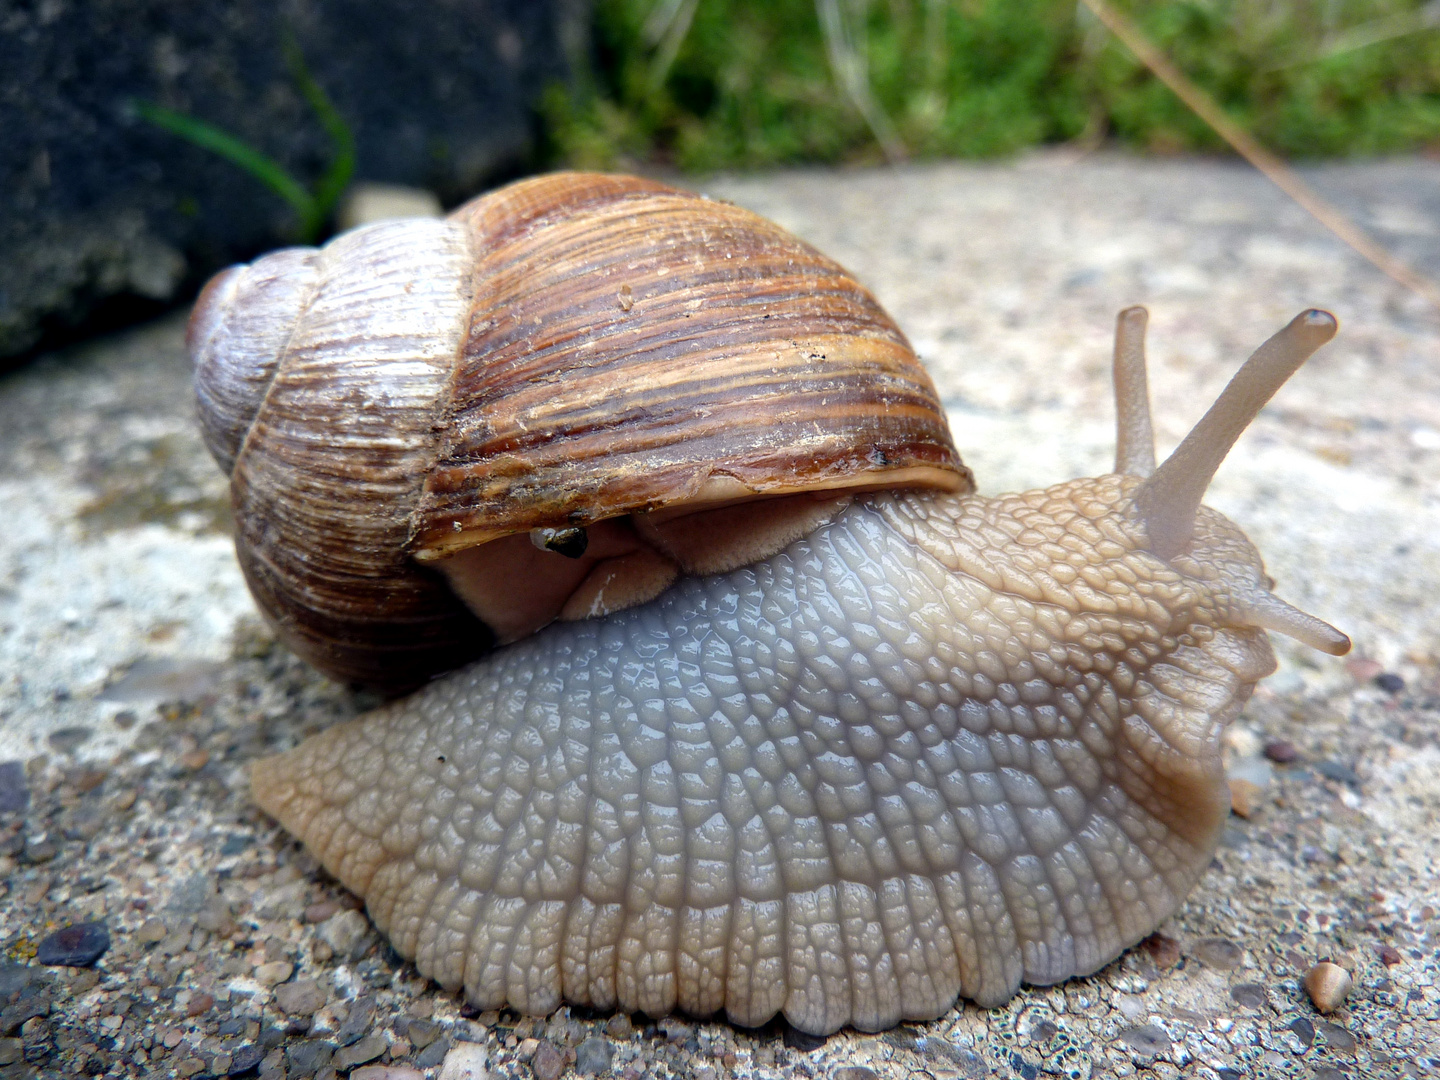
{"points": [[711, 84]]}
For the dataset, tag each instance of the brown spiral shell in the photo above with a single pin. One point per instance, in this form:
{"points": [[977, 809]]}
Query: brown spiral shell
{"points": [[567, 349]]}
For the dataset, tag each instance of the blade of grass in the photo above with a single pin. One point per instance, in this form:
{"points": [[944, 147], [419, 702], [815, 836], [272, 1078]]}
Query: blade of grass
{"points": [[268, 171], [337, 177], [851, 73], [1250, 148]]}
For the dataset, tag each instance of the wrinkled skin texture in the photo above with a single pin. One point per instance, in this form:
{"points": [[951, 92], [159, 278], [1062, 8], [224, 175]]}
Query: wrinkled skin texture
{"points": [[942, 745]]}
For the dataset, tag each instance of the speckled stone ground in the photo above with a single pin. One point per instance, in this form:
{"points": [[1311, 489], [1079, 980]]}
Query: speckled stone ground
{"points": [[136, 683]]}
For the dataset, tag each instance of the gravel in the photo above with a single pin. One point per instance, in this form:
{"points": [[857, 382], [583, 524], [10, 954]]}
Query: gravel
{"points": [[137, 683]]}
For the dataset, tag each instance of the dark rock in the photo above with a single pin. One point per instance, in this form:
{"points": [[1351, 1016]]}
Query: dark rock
{"points": [[14, 794], [41, 851], [1148, 1039], [432, 1055], [64, 740], [1219, 953], [1249, 995], [1163, 949], [14, 978], [107, 217], [236, 844], [1336, 1036], [308, 1056], [362, 1011], [1390, 682], [75, 946], [1341, 774], [548, 1062], [422, 1032], [593, 1056], [192, 894], [1303, 1029], [1281, 751], [856, 1072], [244, 1059], [1043, 1032], [13, 1018], [367, 1049]]}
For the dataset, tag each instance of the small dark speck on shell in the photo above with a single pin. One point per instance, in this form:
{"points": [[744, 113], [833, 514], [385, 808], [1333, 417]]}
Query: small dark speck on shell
{"points": [[1220, 954], [1390, 682], [14, 795], [75, 946], [1147, 1039]]}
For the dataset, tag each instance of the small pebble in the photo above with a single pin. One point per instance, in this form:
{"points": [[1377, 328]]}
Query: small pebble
{"points": [[1328, 986], [195, 760], [1390, 682], [465, 1061], [619, 1026], [856, 1072], [1390, 956], [593, 1057], [1246, 796], [274, 973], [343, 931], [1303, 1029], [1336, 1036], [1219, 953], [151, 931], [387, 1072], [75, 946], [367, 1049], [422, 1032], [1248, 995], [319, 912], [675, 1030], [548, 1062], [1363, 669], [1148, 1039], [14, 795], [1341, 774], [1281, 751], [245, 1058], [200, 1003], [1163, 949], [433, 1055], [308, 1056], [300, 998]]}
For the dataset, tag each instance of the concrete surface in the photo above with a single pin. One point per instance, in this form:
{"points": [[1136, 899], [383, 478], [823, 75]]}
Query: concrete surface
{"points": [[136, 682]]}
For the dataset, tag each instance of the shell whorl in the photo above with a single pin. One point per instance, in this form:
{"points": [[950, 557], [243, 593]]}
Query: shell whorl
{"points": [[241, 324], [566, 350]]}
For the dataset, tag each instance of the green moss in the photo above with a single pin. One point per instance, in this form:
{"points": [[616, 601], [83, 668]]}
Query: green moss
{"points": [[750, 82]]}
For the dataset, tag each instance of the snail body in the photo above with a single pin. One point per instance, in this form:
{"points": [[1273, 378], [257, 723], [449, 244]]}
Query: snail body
{"points": [[913, 744]]}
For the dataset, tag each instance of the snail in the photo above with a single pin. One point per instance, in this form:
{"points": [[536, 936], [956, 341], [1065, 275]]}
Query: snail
{"points": [[825, 733]]}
